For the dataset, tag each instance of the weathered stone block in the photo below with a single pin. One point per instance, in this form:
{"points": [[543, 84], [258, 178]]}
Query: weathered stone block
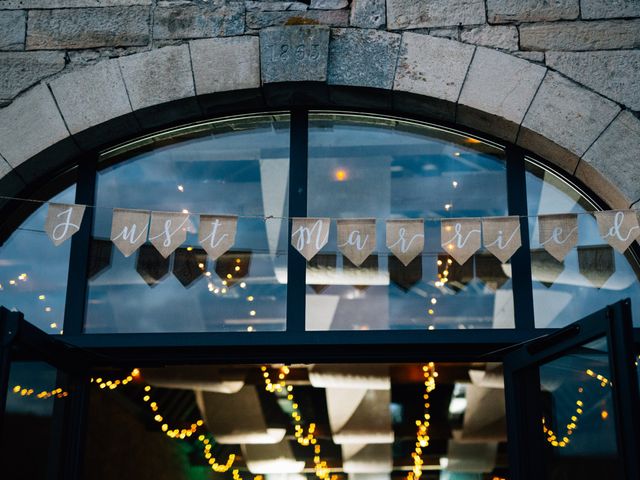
{"points": [[365, 58], [597, 35], [158, 76], [567, 115], [88, 28], [29, 125], [503, 37], [615, 74], [27, 4], [328, 4], [252, 6], [12, 30], [497, 92], [505, 11], [432, 66], [615, 156], [91, 95], [293, 54], [368, 13], [20, 70], [201, 20], [224, 64], [334, 18], [403, 14], [610, 8]]}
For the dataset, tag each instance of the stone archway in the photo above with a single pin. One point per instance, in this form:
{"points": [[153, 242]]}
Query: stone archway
{"points": [[501, 95]]}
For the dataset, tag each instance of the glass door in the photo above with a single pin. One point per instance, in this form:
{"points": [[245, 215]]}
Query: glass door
{"points": [[572, 401], [41, 402]]}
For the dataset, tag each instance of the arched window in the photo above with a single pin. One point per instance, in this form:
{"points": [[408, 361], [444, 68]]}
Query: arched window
{"points": [[339, 165]]}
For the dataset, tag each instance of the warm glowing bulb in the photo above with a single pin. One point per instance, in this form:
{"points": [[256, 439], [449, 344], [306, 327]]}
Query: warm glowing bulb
{"points": [[341, 175]]}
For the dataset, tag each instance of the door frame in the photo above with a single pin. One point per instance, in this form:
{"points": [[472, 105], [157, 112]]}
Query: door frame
{"points": [[522, 389]]}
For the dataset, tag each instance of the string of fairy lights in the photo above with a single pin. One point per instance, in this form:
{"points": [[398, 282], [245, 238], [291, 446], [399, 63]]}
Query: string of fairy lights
{"points": [[422, 436], [308, 437]]}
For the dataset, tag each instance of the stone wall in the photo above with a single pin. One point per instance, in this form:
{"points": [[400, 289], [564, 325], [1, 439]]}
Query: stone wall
{"points": [[593, 42], [590, 48]]}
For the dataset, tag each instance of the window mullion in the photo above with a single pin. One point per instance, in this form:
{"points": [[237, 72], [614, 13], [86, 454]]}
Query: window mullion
{"points": [[521, 261], [296, 264]]}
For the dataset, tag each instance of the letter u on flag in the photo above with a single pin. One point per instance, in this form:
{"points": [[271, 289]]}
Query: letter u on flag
{"points": [[217, 234], [618, 227], [63, 220], [129, 229], [501, 236], [405, 239], [558, 234], [309, 235], [357, 238], [460, 238]]}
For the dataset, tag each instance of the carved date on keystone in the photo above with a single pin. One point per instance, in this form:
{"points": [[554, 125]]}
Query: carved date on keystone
{"points": [[286, 52]]}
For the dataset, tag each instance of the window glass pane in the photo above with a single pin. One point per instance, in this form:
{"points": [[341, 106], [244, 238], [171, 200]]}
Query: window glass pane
{"points": [[26, 428], [361, 166], [579, 418], [235, 167], [592, 276], [33, 271]]}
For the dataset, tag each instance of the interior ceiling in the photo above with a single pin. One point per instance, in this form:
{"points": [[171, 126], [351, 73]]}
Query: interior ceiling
{"points": [[365, 416]]}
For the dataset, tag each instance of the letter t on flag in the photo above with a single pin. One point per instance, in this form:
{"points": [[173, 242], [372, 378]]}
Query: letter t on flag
{"points": [[309, 235], [217, 234]]}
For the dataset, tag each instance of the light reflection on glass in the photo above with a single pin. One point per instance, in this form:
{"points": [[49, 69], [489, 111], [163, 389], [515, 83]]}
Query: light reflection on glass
{"points": [[592, 276], [234, 167], [33, 272], [371, 167]]}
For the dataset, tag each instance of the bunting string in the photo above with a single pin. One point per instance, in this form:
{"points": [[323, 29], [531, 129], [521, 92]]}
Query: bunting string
{"points": [[460, 238]]}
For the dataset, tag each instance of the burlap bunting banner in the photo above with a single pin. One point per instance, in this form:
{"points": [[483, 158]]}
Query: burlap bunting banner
{"points": [[501, 236], [168, 230], [405, 239], [309, 235], [129, 229], [217, 234], [558, 234], [63, 220], [460, 238], [357, 238], [618, 227]]}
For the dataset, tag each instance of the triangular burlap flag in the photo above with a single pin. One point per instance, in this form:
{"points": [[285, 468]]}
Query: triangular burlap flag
{"points": [[558, 234], [129, 229], [309, 235], [63, 220], [217, 233], [357, 238], [168, 230], [460, 238], [501, 236], [405, 239], [618, 227]]}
